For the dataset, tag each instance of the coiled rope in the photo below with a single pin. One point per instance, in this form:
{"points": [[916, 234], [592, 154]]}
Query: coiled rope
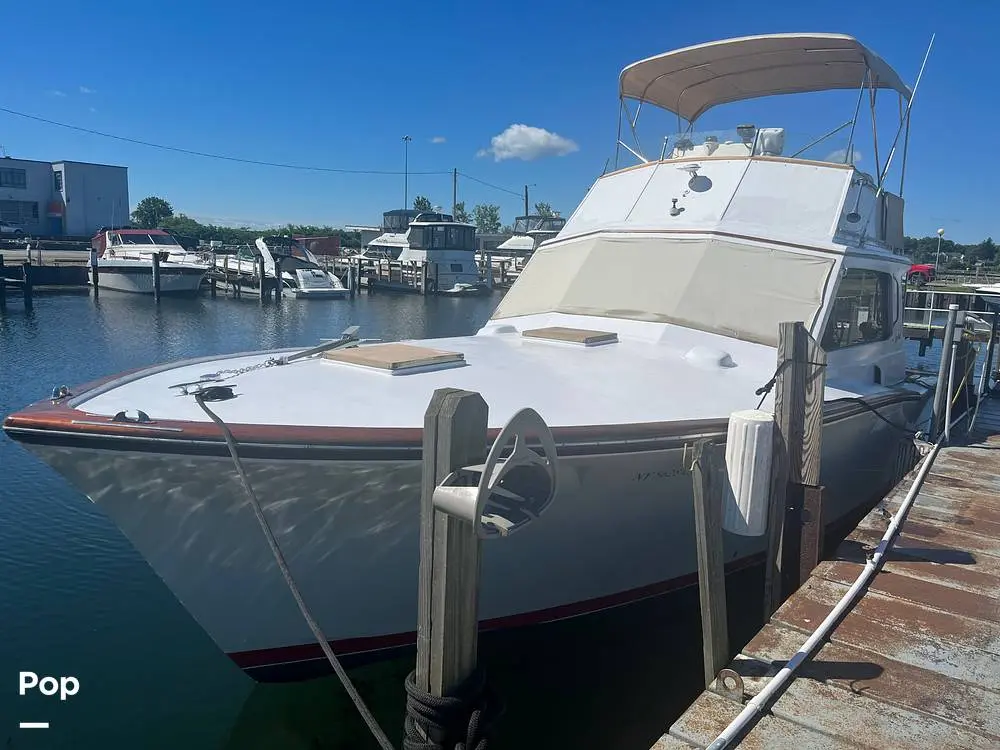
{"points": [[461, 721]]}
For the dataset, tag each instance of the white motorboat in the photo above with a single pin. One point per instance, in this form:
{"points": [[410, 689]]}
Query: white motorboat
{"points": [[302, 275], [125, 262], [446, 246], [690, 260], [529, 233]]}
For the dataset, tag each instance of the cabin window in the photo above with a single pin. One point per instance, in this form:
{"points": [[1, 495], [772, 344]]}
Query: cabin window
{"points": [[456, 268], [59, 180], [860, 312]]}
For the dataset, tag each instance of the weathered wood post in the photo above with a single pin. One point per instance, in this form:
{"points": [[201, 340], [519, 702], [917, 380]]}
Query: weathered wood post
{"points": [[447, 631], [709, 479], [262, 277], [798, 414], [3, 281], [423, 278], [211, 276], [95, 274], [156, 277], [27, 285], [277, 279], [941, 387]]}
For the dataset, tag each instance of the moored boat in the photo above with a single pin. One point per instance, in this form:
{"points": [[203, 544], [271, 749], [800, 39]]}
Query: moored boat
{"points": [[685, 265], [125, 262]]}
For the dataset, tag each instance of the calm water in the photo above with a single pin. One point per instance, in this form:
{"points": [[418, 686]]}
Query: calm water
{"points": [[76, 599]]}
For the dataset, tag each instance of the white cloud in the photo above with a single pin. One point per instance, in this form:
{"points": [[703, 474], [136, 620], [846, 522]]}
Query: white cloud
{"points": [[527, 143], [438, 139], [840, 156], [58, 93], [85, 90], [92, 109]]}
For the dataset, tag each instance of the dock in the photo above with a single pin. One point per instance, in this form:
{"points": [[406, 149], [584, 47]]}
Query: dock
{"points": [[915, 662]]}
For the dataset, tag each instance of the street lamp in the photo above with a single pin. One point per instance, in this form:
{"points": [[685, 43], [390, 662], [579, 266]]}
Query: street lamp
{"points": [[406, 171], [937, 258]]}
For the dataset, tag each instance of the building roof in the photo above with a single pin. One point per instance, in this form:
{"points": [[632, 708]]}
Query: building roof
{"points": [[691, 80]]}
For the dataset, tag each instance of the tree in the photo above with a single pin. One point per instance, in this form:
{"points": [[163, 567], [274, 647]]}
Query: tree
{"points": [[486, 217], [151, 212], [986, 250], [544, 209], [460, 213], [422, 203]]}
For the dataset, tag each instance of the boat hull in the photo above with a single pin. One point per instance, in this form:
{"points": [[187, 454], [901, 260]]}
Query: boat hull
{"points": [[138, 278], [620, 530]]}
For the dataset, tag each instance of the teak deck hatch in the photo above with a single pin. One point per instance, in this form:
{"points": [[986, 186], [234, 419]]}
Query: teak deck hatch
{"points": [[396, 358], [572, 335]]}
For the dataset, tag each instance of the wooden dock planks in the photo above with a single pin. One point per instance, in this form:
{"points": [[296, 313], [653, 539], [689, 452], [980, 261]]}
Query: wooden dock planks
{"points": [[916, 662]]}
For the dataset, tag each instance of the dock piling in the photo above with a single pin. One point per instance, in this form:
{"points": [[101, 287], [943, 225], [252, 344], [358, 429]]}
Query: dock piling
{"points": [[447, 632], [156, 277], [95, 276], [277, 279], [3, 282], [798, 413], [709, 481], [941, 387], [262, 279], [27, 285]]}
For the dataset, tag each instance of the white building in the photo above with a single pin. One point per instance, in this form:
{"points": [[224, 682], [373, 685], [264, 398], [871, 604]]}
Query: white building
{"points": [[63, 197]]}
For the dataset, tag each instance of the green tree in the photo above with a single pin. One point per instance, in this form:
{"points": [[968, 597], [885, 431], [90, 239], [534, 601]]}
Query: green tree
{"points": [[460, 213], [486, 217], [151, 212], [422, 203], [544, 209], [986, 250]]}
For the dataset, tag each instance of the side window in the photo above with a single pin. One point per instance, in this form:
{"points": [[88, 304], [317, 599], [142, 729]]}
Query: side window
{"points": [[861, 310]]}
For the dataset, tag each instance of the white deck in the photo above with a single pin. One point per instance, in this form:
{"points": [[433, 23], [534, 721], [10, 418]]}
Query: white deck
{"points": [[642, 378]]}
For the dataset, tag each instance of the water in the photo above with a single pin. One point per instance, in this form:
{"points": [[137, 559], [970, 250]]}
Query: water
{"points": [[76, 599]]}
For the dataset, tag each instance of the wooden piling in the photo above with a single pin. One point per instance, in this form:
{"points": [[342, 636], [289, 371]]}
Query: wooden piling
{"points": [[156, 277], [3, 282], [95, 274], [709, 478], [448, 600], [277, 279], [211, 277], [795, 463], [423, 278], [27, 284], [262, 278]]}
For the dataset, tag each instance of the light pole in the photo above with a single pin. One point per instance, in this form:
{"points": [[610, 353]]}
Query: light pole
{"points": [[406, 171], [937, 258]]}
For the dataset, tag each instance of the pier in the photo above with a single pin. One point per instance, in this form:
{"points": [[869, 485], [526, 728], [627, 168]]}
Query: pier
{"points": [[909, 655]]}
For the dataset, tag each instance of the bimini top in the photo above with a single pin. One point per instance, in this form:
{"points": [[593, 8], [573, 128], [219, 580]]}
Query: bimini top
{"points": [[691, 80]]}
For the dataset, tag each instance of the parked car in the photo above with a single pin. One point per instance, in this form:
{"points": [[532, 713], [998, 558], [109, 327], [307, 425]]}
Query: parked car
{"points": [[10, 230], [920, 273]]}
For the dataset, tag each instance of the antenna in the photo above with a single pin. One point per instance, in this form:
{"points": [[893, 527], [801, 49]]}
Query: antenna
{"points": [[902, 121]]}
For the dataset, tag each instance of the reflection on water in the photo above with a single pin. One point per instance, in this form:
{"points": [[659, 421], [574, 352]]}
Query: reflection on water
{"points": [[76, 599]]}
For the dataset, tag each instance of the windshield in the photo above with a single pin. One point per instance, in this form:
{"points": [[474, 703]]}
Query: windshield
{"points": [[143, 239]]}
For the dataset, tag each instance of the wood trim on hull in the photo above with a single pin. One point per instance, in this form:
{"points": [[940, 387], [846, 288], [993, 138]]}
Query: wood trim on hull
{"points": [[289, 662], [58, 423]]}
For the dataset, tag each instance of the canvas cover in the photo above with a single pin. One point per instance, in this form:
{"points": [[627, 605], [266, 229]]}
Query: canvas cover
{"points": [[709, 283], [691, 80]]}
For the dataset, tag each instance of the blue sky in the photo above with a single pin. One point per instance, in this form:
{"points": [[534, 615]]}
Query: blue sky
{"points": [[338, 85]]}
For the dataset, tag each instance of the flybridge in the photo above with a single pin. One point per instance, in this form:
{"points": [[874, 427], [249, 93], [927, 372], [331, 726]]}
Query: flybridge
{"points": [[690, 81]]}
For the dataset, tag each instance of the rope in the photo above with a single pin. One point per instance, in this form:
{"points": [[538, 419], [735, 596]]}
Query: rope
{"points": [[458, 722], [220, 393], [769, 385]]}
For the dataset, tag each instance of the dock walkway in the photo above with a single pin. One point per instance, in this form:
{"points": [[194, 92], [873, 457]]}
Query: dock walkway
{"points": [[915, 663]]}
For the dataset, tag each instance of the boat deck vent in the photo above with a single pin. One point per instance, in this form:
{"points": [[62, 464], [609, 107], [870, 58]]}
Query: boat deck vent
{"points": [[396, 359], [580, 336]]}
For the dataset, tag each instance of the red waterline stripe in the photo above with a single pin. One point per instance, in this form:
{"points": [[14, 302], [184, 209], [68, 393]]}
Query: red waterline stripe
{"points": [[348, 646]]}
